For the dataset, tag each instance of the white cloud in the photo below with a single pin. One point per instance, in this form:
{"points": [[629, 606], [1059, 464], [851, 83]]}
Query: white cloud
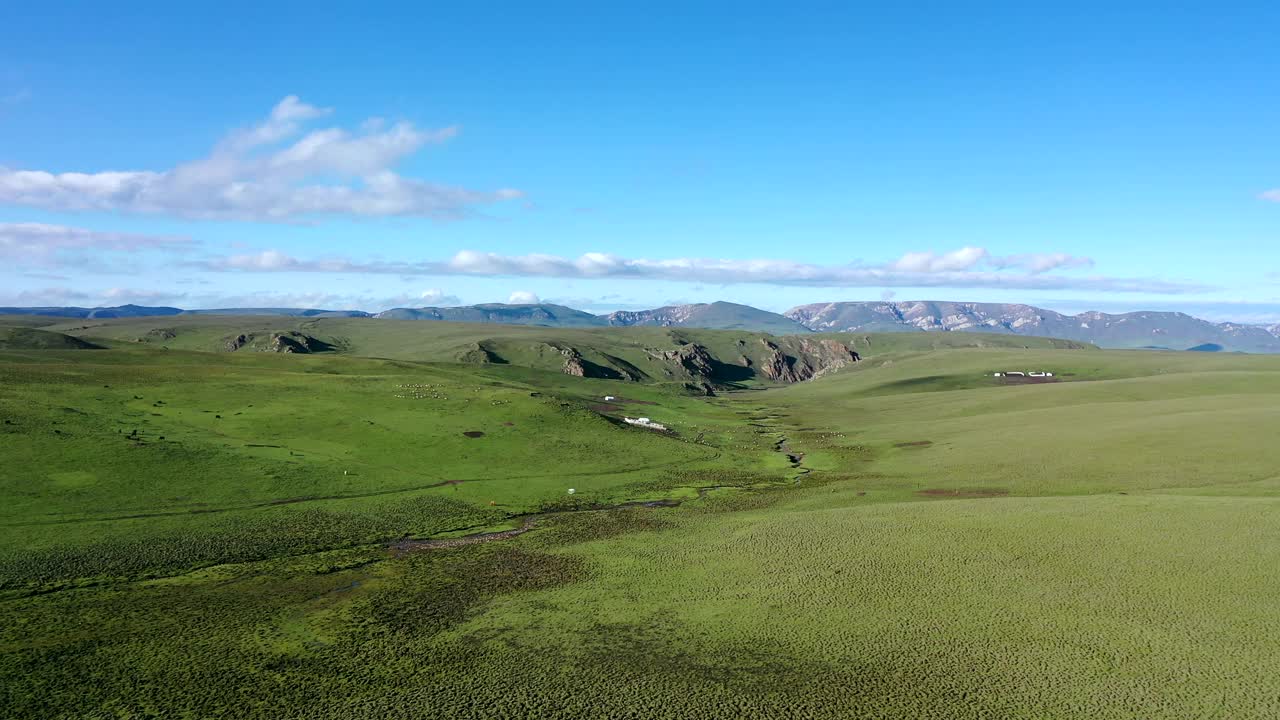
{"points": [[436, 296], [63, 296], [250, 176], [931, 262], [1021, 273], [212, 299], [1272, 195], [1041, 262], [523, 297], [41, 244]]}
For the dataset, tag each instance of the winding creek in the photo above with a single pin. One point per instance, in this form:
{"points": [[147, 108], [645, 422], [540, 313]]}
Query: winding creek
{"points": [[526, 522]]}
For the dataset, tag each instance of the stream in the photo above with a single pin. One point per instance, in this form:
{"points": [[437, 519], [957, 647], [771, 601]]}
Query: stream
{"points": [[529, 521]]}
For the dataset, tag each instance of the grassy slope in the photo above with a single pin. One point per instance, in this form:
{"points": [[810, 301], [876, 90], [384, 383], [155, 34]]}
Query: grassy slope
{"points": [[1125, 569], [32, 338]]}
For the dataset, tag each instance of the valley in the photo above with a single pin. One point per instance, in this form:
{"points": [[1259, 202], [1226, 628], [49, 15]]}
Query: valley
{"points": [[439, 519]]}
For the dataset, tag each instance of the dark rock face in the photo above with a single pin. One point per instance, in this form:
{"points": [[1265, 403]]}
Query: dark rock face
{"points": [[813, 358], [481, 355], [287, 342], [296, 342], [573, 363], [692, 357]]}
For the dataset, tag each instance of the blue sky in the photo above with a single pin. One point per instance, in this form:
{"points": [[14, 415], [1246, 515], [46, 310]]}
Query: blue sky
{"points": [[1077, 157]]}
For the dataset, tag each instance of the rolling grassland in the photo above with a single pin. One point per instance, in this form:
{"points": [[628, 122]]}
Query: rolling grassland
{"points": [[196, 534]]}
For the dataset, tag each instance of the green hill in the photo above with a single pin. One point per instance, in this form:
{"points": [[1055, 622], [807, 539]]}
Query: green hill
{"points": [[697, 358], [435, 534], [28, 338]]}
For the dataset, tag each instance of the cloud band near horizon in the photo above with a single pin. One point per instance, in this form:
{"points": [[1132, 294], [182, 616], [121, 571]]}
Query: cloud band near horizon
{"points": [[969, 267]]}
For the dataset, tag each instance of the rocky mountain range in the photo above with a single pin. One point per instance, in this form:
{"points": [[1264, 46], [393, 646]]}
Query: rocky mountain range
{"points": [[1164, 330], [717, 315]]}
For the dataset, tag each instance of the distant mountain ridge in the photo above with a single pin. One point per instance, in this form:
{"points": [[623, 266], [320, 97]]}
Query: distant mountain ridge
{"points": [[539, 314], [121, 311], [1165, 330], [716, 315]]}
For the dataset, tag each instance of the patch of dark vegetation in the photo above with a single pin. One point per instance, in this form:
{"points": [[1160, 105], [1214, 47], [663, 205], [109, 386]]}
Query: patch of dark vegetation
{"points": [[380, 646], [758, 497], [913, 443], [450, 586], [276, 530], [964, 492], [473, 433], [585, 527]]}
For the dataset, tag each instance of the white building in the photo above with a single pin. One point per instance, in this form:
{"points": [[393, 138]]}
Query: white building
{"points": [[645, 422]]}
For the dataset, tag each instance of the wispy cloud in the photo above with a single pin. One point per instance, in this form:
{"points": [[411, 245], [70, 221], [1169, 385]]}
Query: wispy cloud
{"points": [[63, 296], [434, 296], [44, 245], [1272, 195], [965, 268], [16, 97], [253, 175], [368, 300], [523, 297], [932, 262]]}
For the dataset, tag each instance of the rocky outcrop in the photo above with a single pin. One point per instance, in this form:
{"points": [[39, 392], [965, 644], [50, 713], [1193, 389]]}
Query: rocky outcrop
{"points": [[286, 342], [811, 359], [291, 343], [701, 364], [693, 358], [479, 354], [577, 365], [573, 363], [237, 342]]}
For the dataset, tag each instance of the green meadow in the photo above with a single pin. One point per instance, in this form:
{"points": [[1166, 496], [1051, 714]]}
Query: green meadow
{"points": [[386, 529]]}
